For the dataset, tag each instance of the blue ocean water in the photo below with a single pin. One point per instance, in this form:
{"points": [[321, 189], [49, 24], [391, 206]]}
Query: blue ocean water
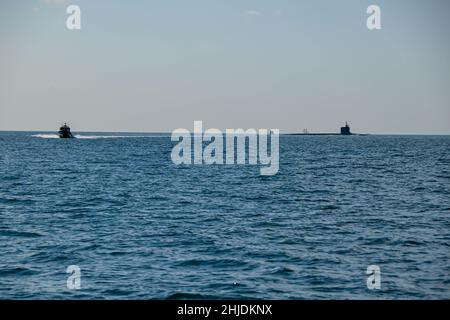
{"points": [[140, 227]]}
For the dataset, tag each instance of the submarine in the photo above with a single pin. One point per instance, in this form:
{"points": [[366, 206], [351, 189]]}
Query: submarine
{"points": [[64, 132], [345, 131]]}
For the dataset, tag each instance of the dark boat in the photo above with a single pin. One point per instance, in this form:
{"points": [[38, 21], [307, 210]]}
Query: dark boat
{"points": [[64, 132]]}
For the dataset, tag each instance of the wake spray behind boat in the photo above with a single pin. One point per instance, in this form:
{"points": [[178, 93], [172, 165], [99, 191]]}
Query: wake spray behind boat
{"points": [[64, 132]]}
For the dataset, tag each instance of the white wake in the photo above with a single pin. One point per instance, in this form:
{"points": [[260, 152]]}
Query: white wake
{"points": [[46, 136], [79, 136]]}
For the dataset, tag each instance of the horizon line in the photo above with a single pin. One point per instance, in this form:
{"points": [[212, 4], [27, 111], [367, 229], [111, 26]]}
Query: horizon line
{"points": [[281, 133]]}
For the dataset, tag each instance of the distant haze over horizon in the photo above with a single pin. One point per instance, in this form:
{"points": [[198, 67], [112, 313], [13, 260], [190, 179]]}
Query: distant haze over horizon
{"points": [[155, 66]]}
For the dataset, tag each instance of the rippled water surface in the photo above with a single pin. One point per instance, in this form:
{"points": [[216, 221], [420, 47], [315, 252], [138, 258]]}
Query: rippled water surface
{"points": [[140, 227]]}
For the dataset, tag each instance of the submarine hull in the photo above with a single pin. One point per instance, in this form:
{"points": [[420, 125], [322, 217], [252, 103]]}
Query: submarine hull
{"points": [[65, 135]]}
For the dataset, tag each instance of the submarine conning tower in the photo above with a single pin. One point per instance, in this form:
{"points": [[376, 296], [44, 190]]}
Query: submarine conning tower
{"points": [[346, 130]]}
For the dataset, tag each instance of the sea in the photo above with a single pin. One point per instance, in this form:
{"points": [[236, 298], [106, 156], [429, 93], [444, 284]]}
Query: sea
{"points": [[133, 225]]}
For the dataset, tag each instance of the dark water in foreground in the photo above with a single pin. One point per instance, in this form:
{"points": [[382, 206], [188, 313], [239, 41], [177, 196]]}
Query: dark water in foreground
{"points": [[139, 227]]}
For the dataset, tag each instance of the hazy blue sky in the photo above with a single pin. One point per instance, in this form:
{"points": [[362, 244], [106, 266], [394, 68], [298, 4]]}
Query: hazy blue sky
{"points": [[287, 64]]}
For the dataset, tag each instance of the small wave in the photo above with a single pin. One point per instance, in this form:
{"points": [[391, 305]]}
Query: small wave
{"points": [[117, 292], [329, 207], [17, 271], [185, 296], [413, 243], [16, 200], [282, 271], [210, 262], [20, 234]]}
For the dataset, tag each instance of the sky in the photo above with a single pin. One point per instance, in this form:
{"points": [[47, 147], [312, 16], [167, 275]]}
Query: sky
{"points": [[155, 66]]}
